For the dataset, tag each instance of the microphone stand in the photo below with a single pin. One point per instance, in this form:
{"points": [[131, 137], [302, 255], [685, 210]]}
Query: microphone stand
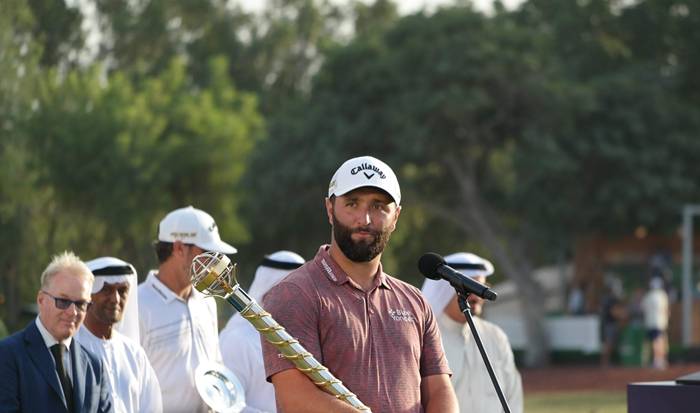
{"points": [[467, 311]]}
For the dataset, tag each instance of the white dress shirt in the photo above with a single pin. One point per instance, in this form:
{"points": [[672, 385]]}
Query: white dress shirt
{"points": [[49, 340], [132, 381], [177, 336]]}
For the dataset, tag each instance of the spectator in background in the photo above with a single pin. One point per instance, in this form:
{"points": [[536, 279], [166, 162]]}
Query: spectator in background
{"points": [[240, 341], [612, 316], [134, 385], [576, 304], [472, 383], [178, 324], [656, 314]]}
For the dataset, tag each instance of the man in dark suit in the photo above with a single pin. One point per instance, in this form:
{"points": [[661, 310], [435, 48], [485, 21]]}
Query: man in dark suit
{"points": [[42, 369]]}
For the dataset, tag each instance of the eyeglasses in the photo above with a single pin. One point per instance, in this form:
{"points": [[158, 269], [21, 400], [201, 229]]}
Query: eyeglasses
{"points": [[64, 303]]}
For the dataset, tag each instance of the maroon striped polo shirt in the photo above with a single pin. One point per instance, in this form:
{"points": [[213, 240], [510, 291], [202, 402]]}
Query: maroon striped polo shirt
{"points": [[379, 343]]}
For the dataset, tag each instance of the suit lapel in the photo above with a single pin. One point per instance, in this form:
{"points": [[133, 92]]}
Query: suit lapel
{"points": [[40, 356], [79, 369]]}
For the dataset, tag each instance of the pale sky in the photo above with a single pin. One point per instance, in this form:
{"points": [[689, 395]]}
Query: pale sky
{"points": [[405, 6]]}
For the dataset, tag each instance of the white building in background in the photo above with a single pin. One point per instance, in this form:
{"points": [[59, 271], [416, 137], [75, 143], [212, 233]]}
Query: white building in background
{"points": [[578, 333]]}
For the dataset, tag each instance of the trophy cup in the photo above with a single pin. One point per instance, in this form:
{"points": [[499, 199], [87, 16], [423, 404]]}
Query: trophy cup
{"points": [[213, 274], [219, 388]]}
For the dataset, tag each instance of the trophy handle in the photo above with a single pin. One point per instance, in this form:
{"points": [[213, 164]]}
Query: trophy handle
{"points": [[214, 275]]}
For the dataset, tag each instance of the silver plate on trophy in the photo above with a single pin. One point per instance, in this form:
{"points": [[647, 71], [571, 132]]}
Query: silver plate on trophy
{"points": [[219, 388]]}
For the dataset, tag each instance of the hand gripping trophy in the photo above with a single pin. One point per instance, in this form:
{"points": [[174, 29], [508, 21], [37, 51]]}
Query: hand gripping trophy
{"points": [[213, 274]]}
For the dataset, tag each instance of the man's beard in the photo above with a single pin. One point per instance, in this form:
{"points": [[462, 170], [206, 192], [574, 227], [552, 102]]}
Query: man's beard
{"points": [[359, 251]]}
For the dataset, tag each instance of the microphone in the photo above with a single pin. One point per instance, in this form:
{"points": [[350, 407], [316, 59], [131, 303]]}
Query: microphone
{"points": [[433, 266]]}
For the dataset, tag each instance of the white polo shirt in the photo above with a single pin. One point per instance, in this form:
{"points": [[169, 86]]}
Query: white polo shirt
{"points": [[177, 336]]}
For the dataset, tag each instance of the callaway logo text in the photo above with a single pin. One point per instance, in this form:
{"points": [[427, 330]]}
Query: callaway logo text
{"points": [[365, 167]]}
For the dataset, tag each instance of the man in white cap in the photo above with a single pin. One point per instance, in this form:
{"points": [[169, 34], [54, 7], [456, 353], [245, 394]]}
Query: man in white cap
{"points": [[374, 332], [240, 341], [132, 380], [178, 324], [475, 391]]}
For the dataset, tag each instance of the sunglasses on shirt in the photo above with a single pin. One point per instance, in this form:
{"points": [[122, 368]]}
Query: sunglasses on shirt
{"points": [[64, 303]]}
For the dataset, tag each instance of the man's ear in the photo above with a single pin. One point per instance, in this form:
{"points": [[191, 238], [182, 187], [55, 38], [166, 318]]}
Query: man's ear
{"points": [[178, 248], [329, 210], [396, 218]]}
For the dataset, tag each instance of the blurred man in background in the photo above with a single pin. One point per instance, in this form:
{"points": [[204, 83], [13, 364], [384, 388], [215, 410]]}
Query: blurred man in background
{"points": [[656, 314], [472, 383]]}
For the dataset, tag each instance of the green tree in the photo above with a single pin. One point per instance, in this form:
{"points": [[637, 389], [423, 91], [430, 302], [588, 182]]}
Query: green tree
{"points": [[57, 27], [626, 144], [273, 54], [20, 194], [120, 155]]}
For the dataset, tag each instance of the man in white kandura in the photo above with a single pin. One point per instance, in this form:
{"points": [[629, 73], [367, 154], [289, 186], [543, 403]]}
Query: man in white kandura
{"points": [[240, 341], [133, 383], [178, 324], [471, 381]]}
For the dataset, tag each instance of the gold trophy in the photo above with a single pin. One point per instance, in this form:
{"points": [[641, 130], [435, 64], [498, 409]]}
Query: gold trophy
{"points": [[213, 274]]}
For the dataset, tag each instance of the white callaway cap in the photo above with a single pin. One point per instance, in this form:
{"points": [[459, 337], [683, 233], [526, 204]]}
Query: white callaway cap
{"points": [[364, 171], [193, 226], [470, 264]]}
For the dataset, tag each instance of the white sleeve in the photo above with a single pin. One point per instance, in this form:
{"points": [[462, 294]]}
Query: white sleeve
{"points": [[513, 382], [151, 398], [238, 354]]}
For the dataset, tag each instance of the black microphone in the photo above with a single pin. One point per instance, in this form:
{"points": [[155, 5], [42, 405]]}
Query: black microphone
{"points": [[433, 266]]}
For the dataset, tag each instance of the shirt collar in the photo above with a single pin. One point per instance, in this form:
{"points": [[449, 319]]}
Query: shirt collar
{"points": [[165, 293], [49, 339], [333, 272]]}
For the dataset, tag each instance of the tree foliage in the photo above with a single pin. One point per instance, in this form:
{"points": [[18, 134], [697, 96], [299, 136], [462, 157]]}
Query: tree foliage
{"points": [[624, 145], [121, 155]]}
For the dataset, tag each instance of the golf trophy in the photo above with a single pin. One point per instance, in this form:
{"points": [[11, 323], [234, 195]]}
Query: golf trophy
{"points": [[219, 388], [213, 274]]}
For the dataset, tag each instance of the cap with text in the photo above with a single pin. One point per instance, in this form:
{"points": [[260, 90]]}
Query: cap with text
{"points": [[364, 171], [470, 264], [193, 226]]}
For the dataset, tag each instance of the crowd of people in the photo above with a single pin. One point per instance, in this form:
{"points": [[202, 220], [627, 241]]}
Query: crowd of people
{"points": [[102, 343]]}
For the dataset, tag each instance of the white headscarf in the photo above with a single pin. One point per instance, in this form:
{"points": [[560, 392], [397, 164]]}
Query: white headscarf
{"points": [[440, 292], [112, 270], [271, 271]]}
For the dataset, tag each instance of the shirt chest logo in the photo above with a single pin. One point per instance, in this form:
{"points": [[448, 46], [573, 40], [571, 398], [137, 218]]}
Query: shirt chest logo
{"points": [[402, 315]]}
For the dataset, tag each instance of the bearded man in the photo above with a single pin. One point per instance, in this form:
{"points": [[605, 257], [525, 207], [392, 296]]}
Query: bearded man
{"points": [[375, 333]]}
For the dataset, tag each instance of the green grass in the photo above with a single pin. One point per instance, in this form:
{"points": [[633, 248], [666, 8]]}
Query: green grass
{"points": [[577, 402]]}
